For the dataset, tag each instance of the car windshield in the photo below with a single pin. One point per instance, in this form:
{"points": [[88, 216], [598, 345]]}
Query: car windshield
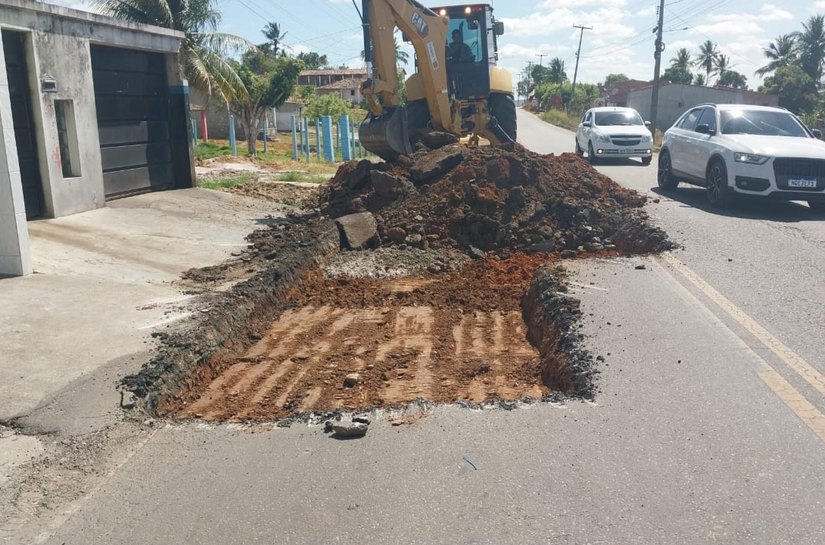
{"points": [[606, 119], [761, 122]]}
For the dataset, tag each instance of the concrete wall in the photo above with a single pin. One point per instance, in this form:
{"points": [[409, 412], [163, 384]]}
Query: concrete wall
{"points": [[57, 43], [217, 117], [674, 99], [15, 257]]}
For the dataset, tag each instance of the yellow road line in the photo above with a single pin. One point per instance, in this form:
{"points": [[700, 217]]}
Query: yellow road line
{"points": [[791, 358], [797, 403]]}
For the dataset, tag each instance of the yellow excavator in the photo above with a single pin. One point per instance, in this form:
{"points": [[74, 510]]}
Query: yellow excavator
{"points": [[457, 88]]}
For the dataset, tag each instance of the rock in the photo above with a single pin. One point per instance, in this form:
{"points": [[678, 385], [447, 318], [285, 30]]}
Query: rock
{"points": [[347, 430], [415, 240], [328, 426], [543, 246], [434, 269], [437, 139], [361, 419], [569, 254], [352, 380], [475, 253], [388, 186], [594, 247], [396, 234], [641, 267], [357, 230], [434, 164], [356, 205]]}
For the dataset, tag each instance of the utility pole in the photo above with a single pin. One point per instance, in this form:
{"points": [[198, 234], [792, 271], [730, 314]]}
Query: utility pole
{"points": [[657, 54], [578, 54], [541, 57]]}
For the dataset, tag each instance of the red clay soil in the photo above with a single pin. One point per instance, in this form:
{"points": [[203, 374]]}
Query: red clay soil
{"points": [[444, 338]]}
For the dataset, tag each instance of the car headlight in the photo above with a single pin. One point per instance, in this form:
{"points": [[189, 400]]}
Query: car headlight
{"points": [[602, 138], [647, 138], [750, 158]]}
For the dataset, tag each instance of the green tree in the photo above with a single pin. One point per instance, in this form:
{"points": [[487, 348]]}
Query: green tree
{"points": [[810, 46], [555, 71], [707, 59], [264, 91], [274, 36], [613, 79], [305, 94], [722, 65], [699, 79], [330, 104], [679, 70], [540, 74], [780, 52], [312, 60], [203, 51], [732, 78], [796, 89]]}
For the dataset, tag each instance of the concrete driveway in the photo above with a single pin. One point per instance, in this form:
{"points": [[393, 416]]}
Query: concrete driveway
{"points": [[102, 285]]}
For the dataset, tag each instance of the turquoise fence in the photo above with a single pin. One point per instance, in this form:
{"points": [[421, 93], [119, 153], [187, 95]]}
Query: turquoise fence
{"points": [[334, 140]]}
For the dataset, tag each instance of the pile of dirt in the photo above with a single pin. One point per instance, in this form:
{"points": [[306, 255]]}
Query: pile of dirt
{"points": [[502, 200]]}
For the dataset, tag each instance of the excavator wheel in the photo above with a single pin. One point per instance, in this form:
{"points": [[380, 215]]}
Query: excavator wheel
{"points": [[503, 108]]}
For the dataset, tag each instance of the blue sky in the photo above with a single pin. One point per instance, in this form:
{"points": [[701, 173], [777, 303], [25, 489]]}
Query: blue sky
{"points": [[621, 39]]}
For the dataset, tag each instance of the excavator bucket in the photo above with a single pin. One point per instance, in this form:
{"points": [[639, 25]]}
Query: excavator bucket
{"points": [[386, 135]]}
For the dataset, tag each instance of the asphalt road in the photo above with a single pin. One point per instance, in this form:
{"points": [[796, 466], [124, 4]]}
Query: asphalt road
{"points": [[708, 427]]}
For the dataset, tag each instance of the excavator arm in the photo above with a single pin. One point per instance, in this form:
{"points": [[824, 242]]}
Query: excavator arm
{"points": [[385, 130]]}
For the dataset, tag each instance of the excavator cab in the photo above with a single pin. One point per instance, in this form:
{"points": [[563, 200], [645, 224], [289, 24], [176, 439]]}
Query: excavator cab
{"points": [[457, 88]]}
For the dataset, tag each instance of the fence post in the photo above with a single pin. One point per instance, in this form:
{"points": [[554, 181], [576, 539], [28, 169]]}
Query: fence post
{"points": [[306, 138], [318, 140], [294, 138], [194, 133], [266, 127], [343, 131], [204, 127], [329, 142], [232, 142], [352, 138]]}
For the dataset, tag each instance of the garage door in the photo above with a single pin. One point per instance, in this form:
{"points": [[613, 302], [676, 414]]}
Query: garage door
{"points": [[21, 113], [133, 120]]}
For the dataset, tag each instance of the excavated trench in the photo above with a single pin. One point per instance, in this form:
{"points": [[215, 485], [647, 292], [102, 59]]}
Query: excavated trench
{"points": [[298, 338]]}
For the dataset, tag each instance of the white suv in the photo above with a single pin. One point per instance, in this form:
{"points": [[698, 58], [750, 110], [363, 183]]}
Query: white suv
{"points": [[735, 149], [609, 132]]}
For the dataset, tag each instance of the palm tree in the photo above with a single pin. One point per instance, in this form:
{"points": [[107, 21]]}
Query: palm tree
{"points": [[203, 57], [682, 60], [556, 73], [699, 79], [810, 46], [722, 64], [274, 36], [781, 52], [707, 59]]}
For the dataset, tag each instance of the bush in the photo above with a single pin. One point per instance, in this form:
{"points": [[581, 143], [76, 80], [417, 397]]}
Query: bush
{"points": [[329, 104], [561, 119]]}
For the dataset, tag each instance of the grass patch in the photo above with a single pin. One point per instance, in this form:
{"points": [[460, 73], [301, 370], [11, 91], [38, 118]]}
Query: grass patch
{"points": [[225, 183], [210, 151], [561, 119]]}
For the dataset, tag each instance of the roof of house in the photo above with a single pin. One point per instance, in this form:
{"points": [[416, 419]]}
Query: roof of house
{"points": [[338, 72], [345, 84]]}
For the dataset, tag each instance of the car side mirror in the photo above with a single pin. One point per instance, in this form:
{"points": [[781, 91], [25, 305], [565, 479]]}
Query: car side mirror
{"points": [[647, 123], [587, 124], [817, 134], [499, 28], [705, 129]]}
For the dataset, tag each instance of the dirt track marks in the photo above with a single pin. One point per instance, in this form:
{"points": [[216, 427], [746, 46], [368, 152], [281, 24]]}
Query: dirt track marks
{"points": [[400, 353]]}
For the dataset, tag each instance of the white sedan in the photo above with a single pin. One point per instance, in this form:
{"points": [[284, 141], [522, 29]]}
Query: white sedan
{"points": [[609, 132], [735, 149]]}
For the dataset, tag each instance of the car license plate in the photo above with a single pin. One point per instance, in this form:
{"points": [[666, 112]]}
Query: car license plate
{"points": [[803, 183]]}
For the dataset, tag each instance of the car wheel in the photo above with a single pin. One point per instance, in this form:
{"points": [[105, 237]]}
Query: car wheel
{"points": [[665, 175], [591, 154], [817, 206], [579, 150], [503, 108], [646, 160], [718, 191]]}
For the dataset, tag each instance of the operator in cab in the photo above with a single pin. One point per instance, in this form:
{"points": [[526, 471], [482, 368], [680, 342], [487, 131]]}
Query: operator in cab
{"points": [[457, 50]]}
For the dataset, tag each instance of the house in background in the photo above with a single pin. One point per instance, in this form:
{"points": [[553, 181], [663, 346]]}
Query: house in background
{"points": [[675, 98], [616, 94], [319, 78], [347, 89], [91, 109]]}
